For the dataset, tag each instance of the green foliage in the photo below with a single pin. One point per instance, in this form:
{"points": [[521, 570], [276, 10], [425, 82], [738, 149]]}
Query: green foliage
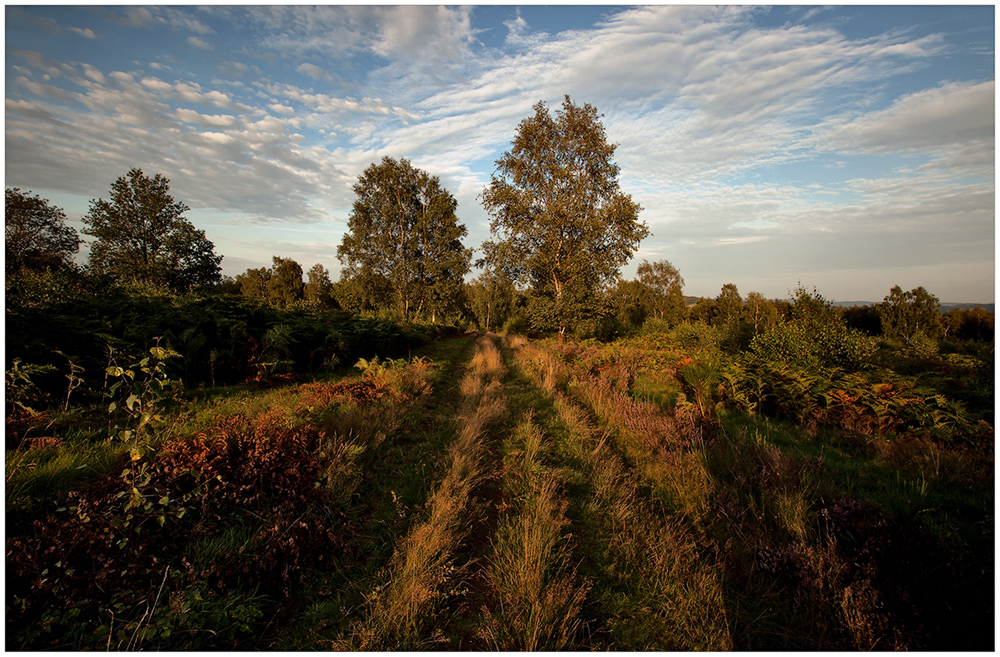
{"points": [[362, 291], [36, 236], [558, 219], [516, 325], [491, 299], [604, 329], [253, 282], [728, 306], [665, 287], [139, 391], [141, 238], [281, 285], [816, 335], [629, 301], [285, 285], [807, 345], [969, 324], [909, 315], [20, 390], [403, 228], [223, 340], [319, 288], [36, 289]]}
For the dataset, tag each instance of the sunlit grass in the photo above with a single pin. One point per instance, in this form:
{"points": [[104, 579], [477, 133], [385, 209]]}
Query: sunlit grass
{"points": [[539, 594], [654, 589], [39, 473], [423, 573]]}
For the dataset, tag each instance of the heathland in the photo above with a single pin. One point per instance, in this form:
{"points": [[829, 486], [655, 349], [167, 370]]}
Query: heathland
{"points": [[211, 472]]}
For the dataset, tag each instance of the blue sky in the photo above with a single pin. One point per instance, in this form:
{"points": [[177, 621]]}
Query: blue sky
{"points": [[850, 149]]}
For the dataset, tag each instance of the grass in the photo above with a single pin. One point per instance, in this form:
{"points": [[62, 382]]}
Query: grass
{"points": [[560, 504], [800, 534], [422, 572], [537, 591], [36, 474], [652, 589]]}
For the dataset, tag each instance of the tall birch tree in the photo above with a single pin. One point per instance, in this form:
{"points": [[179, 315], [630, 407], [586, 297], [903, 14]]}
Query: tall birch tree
{"points": [[403, 227], [558, 219]]}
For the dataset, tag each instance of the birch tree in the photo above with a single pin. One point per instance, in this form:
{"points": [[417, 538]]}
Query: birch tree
{"points": [[403, 227], [558, 219]]}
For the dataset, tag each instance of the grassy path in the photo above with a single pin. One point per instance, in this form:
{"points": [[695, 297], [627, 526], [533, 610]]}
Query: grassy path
{"points": [[651, 588], [538, 536], [402, 612], [502, 495]]}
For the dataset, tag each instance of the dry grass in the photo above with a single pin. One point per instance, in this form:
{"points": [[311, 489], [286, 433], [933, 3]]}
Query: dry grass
{"points": [[422, 573], [674, 599], [655, 589], [538, 596]]}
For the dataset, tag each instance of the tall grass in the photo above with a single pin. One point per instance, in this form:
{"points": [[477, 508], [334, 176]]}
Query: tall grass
{"points": [[422, 574], [653, 588], [536, 588], [36, 473]]}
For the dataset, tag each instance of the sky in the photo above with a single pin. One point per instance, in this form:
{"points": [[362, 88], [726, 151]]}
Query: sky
{"points": [[847, 149]]}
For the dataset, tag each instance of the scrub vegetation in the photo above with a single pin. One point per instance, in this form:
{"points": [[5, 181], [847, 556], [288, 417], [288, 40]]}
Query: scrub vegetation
{"points": [[548, 457]]}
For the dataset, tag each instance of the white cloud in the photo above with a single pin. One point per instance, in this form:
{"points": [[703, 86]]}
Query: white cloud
{"points": [[950, 115], [138, 17], [198, 42], [215, 120], [312, 71], [157, 85], [87, 33], [709, 110], [94, 74], [417, 32]]}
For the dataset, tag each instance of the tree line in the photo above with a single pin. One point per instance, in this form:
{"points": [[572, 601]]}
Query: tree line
{"points": [[561, 229]]}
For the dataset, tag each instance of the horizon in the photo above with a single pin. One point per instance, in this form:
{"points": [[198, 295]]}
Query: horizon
{"points": [[849, 149]]}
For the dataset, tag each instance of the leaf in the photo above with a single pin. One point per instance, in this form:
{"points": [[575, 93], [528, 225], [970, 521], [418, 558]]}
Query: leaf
{"points": [[132, 401]]}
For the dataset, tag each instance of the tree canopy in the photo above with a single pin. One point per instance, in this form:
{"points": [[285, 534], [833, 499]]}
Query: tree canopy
{"points": [[319, 288], [558, 218], [403, 228], [665, 287], [36, 236], [905, 315], [141, 237], [280, 285]]}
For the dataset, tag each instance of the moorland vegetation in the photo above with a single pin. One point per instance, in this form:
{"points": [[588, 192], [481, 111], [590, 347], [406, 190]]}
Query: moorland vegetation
{"points": [[544, 457]]}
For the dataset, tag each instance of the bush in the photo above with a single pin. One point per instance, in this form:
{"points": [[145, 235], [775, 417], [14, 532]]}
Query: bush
{"points": [[693, 335], [809, 346], [517, 325], [222, 339], [603, 329]]}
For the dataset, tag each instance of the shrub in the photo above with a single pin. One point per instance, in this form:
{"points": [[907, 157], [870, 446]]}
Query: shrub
{"points": [[517, 325]]}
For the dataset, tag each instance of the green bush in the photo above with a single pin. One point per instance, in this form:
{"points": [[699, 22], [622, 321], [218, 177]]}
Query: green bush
{"points": [[517, 325], [810, 345], [603, 329]]}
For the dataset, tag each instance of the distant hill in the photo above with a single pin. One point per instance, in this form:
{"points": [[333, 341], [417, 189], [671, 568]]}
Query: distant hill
{"points": [[945, 306]]}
